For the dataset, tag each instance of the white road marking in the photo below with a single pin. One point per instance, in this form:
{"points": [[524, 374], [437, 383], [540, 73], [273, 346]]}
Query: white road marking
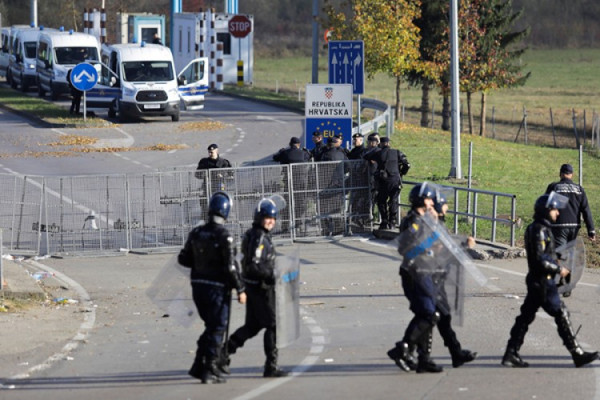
{"points": [[86, 326], [304, 365]]}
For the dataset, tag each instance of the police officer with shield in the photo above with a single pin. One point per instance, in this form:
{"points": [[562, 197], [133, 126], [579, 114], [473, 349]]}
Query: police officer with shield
{"points": [[541, 285], [258, 267], [209, 252], [419, 288]]}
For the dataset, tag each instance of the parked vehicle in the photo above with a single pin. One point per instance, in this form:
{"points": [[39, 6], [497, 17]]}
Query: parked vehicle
{"points": [[22, 60], [139, 80], [59, 52], [7, 35]]}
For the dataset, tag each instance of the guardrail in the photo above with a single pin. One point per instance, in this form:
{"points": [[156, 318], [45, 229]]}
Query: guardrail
{"points": [[384, 116]]}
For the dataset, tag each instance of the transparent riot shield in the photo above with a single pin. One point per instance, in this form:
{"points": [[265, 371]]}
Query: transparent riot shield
{"points": [[428, 249], [171, 292], [572, 257], [287, 299]]}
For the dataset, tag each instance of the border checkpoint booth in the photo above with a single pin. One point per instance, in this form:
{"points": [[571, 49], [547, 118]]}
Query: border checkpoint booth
{"points": [[206, 34]]}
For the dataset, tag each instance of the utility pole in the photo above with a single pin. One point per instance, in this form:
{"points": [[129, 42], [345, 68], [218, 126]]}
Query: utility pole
{"points": [[34, 16], [315, 42], [455, 169]]}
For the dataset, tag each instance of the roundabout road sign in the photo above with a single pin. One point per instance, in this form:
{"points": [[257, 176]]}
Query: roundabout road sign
{"points": [[84, 76]]}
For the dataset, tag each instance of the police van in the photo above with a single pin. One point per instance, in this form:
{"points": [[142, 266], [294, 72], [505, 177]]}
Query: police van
{"points": [[57, 54], [7, 35], [22, 60], [140, 80]]}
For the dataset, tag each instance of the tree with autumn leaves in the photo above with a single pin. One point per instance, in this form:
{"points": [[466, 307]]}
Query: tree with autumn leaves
{"points": [[409, 39], [391, 39]]}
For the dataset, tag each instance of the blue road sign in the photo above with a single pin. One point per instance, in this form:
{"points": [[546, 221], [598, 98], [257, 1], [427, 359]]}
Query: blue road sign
{"points": [[329, 127], [346, 63], [84, 76]]}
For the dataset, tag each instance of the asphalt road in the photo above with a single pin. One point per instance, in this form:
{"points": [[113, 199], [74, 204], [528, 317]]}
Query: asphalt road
{"points": [[353, 311], [352, 303]]}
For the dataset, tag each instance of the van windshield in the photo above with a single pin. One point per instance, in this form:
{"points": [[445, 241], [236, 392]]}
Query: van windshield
{"points": [[148, 71], [75, 55], [30, 49]]}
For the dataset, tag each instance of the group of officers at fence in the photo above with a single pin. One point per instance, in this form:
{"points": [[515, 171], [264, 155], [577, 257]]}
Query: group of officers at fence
{"points": [[428, 256]]}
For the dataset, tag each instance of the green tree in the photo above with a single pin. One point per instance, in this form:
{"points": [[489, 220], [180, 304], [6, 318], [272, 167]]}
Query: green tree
{"points": [[391, 38]]}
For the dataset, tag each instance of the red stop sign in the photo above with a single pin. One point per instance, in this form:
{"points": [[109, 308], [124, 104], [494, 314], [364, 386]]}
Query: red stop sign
{"points": [[239, 26]]}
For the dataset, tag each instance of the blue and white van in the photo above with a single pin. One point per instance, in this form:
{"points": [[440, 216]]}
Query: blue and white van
{"points": [[22, 61], [140, 80], [7, 36], [57, 54]]}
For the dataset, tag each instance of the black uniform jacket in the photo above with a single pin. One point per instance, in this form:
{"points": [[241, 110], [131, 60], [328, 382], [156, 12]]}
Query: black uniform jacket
{"points": [[578, 204], [209, 252], [258, 264], [209, 163], [541, 256]]}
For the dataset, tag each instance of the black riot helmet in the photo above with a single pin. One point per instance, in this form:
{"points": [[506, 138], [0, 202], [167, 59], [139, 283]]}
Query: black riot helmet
{"points": [[220, 205], [420, 192], [438, 202], [547, 202], [266, 209]]}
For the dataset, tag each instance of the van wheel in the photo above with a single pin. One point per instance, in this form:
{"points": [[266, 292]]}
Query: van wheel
{"points": [[53, 95], [112, 109], [175, 117]]}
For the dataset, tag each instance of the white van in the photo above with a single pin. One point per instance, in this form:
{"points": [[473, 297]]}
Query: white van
{"points": [[59, 52], [22, 61], [139, 80], [7, 35]]}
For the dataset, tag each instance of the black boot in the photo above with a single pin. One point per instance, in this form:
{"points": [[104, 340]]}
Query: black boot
{"points": [[565, 330], [211, 372], [581, 358], [513, 359], [224, 361], [273, 371], [460, 357], [399, 354], [425, 363]]}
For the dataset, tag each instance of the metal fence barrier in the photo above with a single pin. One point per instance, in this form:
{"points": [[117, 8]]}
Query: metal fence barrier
{"points": [[155, 211]]}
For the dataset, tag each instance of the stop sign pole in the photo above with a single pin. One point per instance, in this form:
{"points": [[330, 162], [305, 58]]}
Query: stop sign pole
{"points": [[240, 26]]}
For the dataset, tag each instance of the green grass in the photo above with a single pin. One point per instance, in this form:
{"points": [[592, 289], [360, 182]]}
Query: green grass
{"points": [[45, 110], [560, 79]]}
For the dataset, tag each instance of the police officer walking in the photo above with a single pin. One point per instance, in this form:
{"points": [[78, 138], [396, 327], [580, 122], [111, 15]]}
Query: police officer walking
{"points": [[542, 290], [567, 225], [209, 252], [419, 289], [392, 164], [258, 267]]}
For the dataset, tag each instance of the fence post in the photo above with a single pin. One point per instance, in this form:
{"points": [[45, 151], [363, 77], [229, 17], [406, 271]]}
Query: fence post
{"points": [[552, 124], [494, 122], [574, 116], [525, 125]]}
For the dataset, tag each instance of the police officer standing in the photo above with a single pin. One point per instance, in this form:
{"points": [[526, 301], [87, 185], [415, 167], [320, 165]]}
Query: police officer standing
{"points": [[392, 164], [209, 252], [213, 160], [567, 225], [258, 267], [358, 149], [317, 151], [542, 290], [292, 154]]}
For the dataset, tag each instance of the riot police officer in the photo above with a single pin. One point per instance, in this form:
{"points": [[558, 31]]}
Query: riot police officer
{"points": [[293, 154], [358, 149], [258, 267], [209, 252], [213, 160], [458, 354], [542, 290], [419, 290]]}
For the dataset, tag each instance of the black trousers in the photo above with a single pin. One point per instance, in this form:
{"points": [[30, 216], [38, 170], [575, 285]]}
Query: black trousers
{"points": [[260, 313]]}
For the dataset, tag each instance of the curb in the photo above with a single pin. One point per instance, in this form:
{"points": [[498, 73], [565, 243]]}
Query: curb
{"points": [[484, 250]]}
